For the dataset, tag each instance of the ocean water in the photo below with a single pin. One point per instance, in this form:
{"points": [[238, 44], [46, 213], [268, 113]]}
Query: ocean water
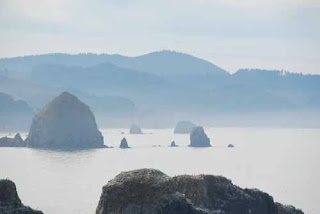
{"points": [[283, 162]]}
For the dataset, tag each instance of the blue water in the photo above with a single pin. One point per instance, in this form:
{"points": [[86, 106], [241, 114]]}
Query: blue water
{"points": [[282, 162]]}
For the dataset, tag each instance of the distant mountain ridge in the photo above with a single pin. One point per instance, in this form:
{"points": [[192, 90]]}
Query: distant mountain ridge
{"points": [[14, 114], [159, 83], [160, 63], [9, 105], [167, 63]]}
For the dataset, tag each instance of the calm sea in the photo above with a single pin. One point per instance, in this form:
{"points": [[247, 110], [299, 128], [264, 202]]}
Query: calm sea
{"points": [[283, 162]]}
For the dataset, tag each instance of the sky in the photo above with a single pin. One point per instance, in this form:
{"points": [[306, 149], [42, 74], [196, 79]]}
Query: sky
{"points": [[233, 34]]}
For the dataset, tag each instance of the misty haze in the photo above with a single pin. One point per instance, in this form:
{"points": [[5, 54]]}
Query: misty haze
{"points": [[173, 107]]}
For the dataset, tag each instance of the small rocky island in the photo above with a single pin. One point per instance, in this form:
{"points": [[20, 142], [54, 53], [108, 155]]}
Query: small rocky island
{"points": [[198, 138], [184, 127], [10, 202], [173, 144], [124, 144], [65, 123], [148, 191], [134, 129], [17, 141]]}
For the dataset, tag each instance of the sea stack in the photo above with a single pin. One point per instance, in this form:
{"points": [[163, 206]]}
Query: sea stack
{"points": [[10, 202], [124, 144], [134, 129], [146, 191], [17, 141], [198, 138], [65, 123], [184, 127], [173, 144]]}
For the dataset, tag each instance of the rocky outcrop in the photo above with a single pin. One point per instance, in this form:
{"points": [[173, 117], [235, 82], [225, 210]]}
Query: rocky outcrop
{"points": [[287, 209], [149, 191], [10, 202], [17, 141], [124, 144], [230, 145], [198, 138], [134, 129], [173, 144], [65, 123], [184, 127]]}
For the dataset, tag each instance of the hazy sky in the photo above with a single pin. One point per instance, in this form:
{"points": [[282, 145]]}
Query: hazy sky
{"points": [[233, 34]]}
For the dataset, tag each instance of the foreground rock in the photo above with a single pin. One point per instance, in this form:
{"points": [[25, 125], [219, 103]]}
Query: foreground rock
{"points": [[17, 141], [198, 138], [124, 144], [184, 127], [65, 123], [149, 191], [134, 129], [10, 202]]}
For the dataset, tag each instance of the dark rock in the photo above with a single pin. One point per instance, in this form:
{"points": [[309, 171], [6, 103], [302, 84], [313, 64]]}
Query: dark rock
{"points": [[124, 144], [184, 127], [230, 145], [6, 142], [148, 191], [10, 202], [17, 141], [198, 138], [287, 209], [134, 129], [65, 123], [173, 144]]}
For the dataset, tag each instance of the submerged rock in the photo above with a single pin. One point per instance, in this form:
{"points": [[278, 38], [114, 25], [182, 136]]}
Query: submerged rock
{"points": [[10, 202], [184, 127], [65, 123], [149, 191], [124, 144], [173, 144], [17, 141], [134, 129], [198, 138]]}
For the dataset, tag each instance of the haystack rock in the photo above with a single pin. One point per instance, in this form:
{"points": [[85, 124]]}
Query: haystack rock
{"points": [[124, 144], [10, 202], [65, 123], [17, 141], [198, 138], [134, 129], [184, 127], [150, 191], [230, 146]]}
